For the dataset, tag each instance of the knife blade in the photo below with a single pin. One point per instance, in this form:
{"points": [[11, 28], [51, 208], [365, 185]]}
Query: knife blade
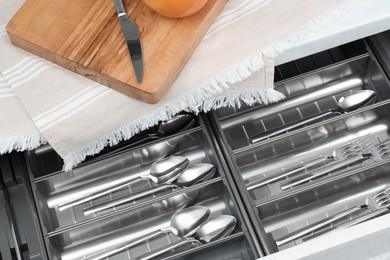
{"points": [[132, 38]]}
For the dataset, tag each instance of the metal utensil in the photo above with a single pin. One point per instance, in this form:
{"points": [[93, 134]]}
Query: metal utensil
{"points": [[214, 229], [178, 123], [377, 152], [355, 147], [378, 204], [165, 170], [131, 34], [321, 91], [347, 103], [184, 223], [194, 174]]}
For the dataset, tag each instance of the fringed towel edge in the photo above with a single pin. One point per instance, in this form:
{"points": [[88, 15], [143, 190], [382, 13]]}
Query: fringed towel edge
{"points": [[20, 142], [203, 98]]}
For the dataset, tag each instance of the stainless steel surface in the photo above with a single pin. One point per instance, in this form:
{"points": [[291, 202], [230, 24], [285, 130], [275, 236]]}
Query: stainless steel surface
{"points": [[260, 168], [347, 103], [182, 202], [184, 223], [194, 174], [215, 228], [316, 226], [377, 152], [165, 170], [178, 123], [117, 169], [133, 42], [169, 248], [11, 217], [331, 88], [340, 153], [104, 234], [378, 210]]}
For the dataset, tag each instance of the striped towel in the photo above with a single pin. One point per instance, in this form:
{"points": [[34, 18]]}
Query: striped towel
{"points": [[41, 102]]}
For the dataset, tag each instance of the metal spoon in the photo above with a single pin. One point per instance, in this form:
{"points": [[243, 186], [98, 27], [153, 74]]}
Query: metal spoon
{"points": [[124, 235], [195, 173], [165, 170], [184, 223], [347, 103], [214, 229], [174, 125]]}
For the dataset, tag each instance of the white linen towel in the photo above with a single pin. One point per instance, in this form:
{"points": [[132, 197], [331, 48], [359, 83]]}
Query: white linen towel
{"points": [[41, 102]]}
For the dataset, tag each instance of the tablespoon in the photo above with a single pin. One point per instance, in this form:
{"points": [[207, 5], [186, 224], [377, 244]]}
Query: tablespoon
{"points": [[165, 170], [194, 174], [184, 223], [169, 127], [347, 103], [214, 229]]}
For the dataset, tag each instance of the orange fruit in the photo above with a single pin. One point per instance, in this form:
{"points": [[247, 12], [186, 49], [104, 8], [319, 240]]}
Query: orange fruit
{"points": [[175, 8]]}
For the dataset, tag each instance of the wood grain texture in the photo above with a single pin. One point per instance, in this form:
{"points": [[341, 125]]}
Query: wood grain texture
{"points": [[85, 36]]}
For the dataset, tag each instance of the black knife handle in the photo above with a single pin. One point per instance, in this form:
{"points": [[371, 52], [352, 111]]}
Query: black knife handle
{"points": [[120, 9]]}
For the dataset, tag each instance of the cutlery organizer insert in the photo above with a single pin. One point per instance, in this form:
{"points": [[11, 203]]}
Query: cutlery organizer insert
{"points": [[310, 90], [286, 215], [70, 234]]}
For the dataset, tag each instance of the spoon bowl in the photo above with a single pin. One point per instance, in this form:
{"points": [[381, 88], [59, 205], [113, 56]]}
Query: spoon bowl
{"points": [[216, 228], [347, 103], [184, 223], [355, 100]]}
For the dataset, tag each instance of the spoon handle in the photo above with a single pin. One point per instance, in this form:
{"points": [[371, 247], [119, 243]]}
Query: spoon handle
{"points": [[96, 195], [132, 197], [321, 172], [280, 176], [169, 248], [124, 247], [289, 127]]}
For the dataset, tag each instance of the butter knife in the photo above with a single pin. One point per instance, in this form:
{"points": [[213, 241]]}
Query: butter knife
{"points": [[130, 31]]}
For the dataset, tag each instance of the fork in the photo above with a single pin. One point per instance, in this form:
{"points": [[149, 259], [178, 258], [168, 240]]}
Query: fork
{"points": [[341, 153], [377, 152], [378, 204]]}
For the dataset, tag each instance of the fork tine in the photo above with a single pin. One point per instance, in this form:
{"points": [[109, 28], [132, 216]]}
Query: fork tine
{"points": [[353, 143], [384, 202], [383, 144], [383, 192], [360, 145]]}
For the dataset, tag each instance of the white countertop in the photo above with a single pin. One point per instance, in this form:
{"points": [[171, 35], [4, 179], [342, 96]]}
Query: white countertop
{"points": [[371, 17]]}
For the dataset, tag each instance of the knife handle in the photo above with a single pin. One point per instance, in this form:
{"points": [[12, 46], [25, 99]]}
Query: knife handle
{"points": [[120, 9]]}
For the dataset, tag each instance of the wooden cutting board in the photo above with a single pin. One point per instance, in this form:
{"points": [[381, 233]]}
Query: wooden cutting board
{"points": [[85, 36]]}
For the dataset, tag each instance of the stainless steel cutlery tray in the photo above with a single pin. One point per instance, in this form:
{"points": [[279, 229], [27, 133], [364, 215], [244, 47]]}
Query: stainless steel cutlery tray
{"points": [[279, 210], [69, 234]]}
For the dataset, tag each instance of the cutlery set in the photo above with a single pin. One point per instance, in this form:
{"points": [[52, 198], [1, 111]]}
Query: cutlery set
{"points": [[192, 224], [300, 159]]}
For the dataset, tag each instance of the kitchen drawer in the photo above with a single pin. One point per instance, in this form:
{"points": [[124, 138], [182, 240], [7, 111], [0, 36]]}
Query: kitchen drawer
{"points": [[280, 208], [71, 234], [233, 141]]}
